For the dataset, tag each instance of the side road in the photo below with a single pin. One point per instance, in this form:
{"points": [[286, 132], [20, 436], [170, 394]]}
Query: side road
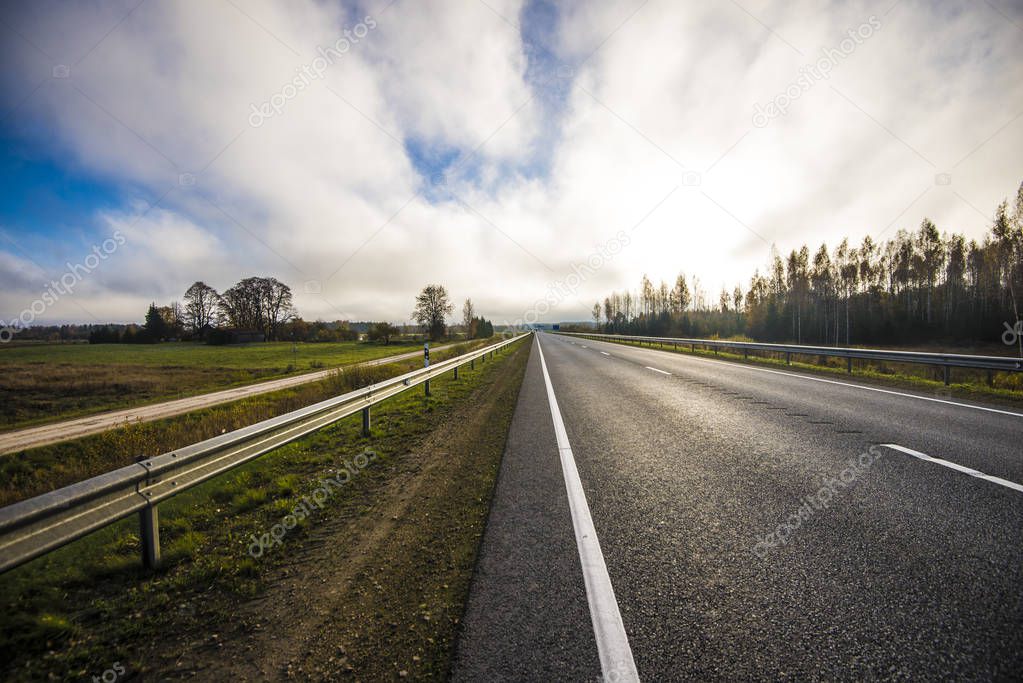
{"points": [[33, 437]]}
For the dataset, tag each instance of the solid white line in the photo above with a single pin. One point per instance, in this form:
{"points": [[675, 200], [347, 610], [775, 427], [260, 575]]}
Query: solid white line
{"points": [[605, 353], [656, 370], [959, 468], [612, 643], [844, 384]]}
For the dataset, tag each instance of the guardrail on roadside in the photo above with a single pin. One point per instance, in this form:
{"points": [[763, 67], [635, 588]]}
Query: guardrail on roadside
{"points": [[946, 361], [36, 526]]}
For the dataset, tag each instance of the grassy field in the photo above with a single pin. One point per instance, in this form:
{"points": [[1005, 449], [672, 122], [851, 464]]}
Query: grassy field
{"points": [[38, 470], [45, 382], [398, 542], [999, 387]]}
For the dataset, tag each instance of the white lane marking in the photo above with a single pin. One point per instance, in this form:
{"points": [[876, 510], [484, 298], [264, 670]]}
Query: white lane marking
{"points": [[959, 468], [612, 642], [656, 370], [605, 353], [584, 346], [844, 384]]}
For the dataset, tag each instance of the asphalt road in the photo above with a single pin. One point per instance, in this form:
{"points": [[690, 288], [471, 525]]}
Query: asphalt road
{"points": [[755, 524], [33, 437]]}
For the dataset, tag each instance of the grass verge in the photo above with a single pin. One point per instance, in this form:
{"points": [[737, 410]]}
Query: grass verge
{"points": [[1005, 388], [370, 585]]}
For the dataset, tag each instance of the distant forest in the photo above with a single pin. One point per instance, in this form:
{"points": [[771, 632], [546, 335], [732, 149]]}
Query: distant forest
{"points": [[917, 287]]}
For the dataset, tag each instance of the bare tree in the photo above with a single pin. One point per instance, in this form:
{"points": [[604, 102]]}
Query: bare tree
{"points": [[201, 305]]}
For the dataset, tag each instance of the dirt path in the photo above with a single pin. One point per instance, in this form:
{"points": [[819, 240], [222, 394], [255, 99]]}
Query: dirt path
{"points": [[33, 437], [379, 596]]}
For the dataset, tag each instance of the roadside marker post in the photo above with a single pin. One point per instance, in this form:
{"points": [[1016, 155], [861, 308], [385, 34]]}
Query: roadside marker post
{"points": [[426, 363]]}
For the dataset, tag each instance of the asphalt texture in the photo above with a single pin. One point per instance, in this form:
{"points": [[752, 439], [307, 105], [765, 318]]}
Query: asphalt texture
{"points": [[752, 527]]}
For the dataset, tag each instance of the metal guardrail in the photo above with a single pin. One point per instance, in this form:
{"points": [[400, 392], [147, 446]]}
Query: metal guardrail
{"points": [[944, 360], [36, 526]]}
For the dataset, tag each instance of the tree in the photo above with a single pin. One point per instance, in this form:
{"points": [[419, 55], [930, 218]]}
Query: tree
{"points": [[201, 305], [173, 326], [155, 327], [432, 306], [258, 303], [482, 328], [680, 295], [382, 332], [596, 313], [468, 313]]}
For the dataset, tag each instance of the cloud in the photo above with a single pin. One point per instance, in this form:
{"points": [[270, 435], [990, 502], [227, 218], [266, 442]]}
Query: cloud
{"points": [[649, 122]]}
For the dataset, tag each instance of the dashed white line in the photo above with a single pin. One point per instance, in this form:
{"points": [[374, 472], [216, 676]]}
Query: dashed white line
{"points": [[612, 643], [846, 384], [656, 370], [605, 353], [955, 466], [584, 346]]}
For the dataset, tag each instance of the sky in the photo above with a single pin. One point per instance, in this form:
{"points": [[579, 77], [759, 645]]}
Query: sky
{"points": [[533, 156]]}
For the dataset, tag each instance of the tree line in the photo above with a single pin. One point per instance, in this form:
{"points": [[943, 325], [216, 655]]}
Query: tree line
{"points": [[259, 305], [918, 286], [263, 307]]}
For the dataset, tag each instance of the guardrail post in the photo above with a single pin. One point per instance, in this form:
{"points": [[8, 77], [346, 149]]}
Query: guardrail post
{"points": [[472, 364], [947, 371], [456, 372], [849, 365], [990, 378], [788, 358], [365, 421], [149, 525], [692, 347], [427, 385], [745, 353]]}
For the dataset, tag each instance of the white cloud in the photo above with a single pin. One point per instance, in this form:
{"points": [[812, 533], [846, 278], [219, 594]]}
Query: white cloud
{"points": [[327, 184]]}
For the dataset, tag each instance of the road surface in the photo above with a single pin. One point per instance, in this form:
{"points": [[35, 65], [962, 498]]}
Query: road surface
{"points": [[749, 523], [33, 437]]}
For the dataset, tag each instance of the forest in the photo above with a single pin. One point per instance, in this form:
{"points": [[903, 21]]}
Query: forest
{"points": [[917, 287]]}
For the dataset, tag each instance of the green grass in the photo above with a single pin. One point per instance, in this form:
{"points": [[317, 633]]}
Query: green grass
{"points": [[72, 612], [267, 355], [32, 472], [46, 382]]}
